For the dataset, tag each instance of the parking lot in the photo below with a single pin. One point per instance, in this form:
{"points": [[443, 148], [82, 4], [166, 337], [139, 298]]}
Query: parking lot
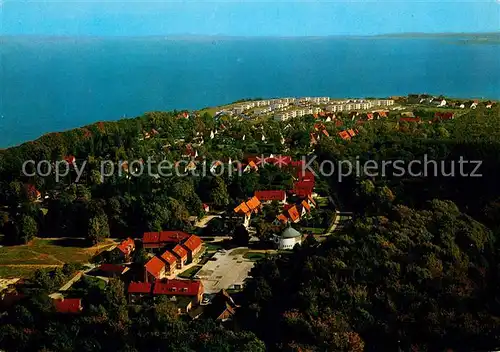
{"points": [[225, 270]]}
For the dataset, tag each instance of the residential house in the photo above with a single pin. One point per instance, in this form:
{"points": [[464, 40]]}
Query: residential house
{"points": [[270, 196], [345, 135], [193, 246], [68, 305], [311, 201], [303, 175], [293, 213], [305, 208], [444, 115], [181, 255], [206, 207], [283, 219], [247, 208], [408, 114], [180, 288], [126, 247], [155, 270], [170, 261], [303, 189], [251, 167], [351, 132], [221, 308], [138, 290]]}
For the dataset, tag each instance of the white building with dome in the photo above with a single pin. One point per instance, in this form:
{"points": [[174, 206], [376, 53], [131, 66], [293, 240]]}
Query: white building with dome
{"points": [[288, 238]]}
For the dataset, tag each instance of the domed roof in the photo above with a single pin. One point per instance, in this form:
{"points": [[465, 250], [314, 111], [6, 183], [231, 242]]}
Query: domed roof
{"points": [[290, 232]]}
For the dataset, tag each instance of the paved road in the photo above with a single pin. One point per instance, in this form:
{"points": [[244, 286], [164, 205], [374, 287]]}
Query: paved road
{"points": [[205, 220], [225, 270]]}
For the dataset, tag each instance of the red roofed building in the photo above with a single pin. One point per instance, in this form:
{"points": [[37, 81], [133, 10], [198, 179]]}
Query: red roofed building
{"points": [[303, 175], [193, 246], [297, 163], [70, 159], [303, 189], [345, 135], [187, 288], [170, 262], [151, 240], [126, 247], [154, 269], [269, 196], [181, 254], [139, 289], [410, 119], [163, 238], [294, 214], [112, 269], [68, 305], [445, 115], [282, 218]]}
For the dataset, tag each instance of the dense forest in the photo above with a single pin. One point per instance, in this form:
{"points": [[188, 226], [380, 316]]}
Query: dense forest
{"points": [[415, 270]]}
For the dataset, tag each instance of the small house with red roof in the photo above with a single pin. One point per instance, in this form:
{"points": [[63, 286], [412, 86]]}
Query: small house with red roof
{"points": [[206, 207], [154, 269], [193, 246], [283, 219], [181, 255], [170, 261], [304, 175], [126, 247], [293, 213], [344, 135], [303, 189], [252, 166], [68, 305], [351, 132], [70, 159], [270, 196]]}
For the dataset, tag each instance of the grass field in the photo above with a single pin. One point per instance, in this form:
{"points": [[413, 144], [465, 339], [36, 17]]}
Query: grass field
{"points": [[314, 230], [21, 261], [212, 247], [254, 255]]}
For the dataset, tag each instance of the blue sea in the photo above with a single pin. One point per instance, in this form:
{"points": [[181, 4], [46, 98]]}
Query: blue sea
{"points": [[54, 84]]}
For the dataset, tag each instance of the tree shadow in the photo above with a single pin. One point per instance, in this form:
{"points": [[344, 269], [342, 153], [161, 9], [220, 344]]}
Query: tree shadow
{"points": [[71, 242]]}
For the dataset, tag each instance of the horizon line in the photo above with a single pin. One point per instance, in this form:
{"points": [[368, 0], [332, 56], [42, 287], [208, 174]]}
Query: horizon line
{"points": [[391, 34]]}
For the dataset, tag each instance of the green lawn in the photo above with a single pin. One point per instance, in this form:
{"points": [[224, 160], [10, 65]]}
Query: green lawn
{"points": [[254, 255], [22, 260], [314, 230], [322, 202], [212, 247], [189, 273]]}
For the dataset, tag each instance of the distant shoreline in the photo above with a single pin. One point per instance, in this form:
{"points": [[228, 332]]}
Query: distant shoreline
{"points": [[417, 35]]}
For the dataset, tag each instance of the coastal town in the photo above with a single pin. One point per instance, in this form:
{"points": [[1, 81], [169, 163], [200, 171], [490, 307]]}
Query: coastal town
{"points": [[194, 242]]}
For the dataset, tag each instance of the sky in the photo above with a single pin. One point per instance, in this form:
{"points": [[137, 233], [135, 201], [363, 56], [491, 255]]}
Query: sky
{"points": [[246, 17]]}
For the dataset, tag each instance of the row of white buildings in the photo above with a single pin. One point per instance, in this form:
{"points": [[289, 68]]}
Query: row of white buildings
{"points": [[285, 108], [289, 114], [350, 105]]}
